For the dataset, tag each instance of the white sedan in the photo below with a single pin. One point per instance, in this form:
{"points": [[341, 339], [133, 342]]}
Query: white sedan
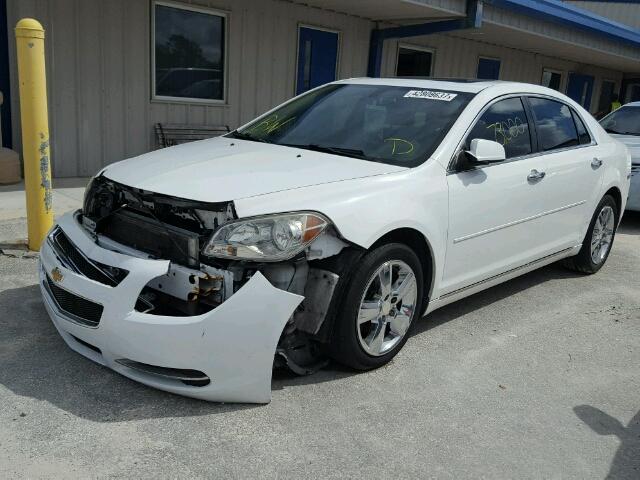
{"points": [[624, 125], [326, 228]]}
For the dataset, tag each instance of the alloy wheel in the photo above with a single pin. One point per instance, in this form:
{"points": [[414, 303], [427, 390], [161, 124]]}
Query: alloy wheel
{"points": [[602, 235], [387, 307]]}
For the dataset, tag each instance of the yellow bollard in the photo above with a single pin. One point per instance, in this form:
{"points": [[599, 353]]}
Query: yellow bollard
{"points": [[35, 129]]}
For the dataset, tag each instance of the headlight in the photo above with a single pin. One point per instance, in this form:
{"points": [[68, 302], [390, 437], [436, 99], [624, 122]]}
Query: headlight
{"points": [[270, 238]]}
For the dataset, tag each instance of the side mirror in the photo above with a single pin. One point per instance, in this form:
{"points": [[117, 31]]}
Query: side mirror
{"points": [[482, 152]]}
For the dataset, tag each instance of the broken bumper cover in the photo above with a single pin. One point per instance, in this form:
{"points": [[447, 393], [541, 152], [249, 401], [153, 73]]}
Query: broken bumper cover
{"points": [[233, 344]]}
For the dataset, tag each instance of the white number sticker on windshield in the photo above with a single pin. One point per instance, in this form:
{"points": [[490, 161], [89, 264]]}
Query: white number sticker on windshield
{"points": [[431, 95]]}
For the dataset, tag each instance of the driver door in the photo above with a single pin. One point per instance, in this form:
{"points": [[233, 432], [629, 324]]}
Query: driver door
{"points": [[494, 210]]}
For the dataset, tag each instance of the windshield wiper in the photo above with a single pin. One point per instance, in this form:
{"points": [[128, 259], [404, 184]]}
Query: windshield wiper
{"points": [[345, 152], [246, 136]]}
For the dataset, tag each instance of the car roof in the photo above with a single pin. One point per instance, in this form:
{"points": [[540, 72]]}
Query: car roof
{"points": [[489, 88], [456, 85], [632, 104]]}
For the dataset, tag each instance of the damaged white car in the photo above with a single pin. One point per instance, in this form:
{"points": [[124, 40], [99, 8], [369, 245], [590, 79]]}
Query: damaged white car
{"points": [[326, 228]]}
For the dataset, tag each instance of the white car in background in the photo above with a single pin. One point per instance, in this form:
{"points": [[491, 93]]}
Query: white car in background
{"points": [[327, 226], [624, 125]]}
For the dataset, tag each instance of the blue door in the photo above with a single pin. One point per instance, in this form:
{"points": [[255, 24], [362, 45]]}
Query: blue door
{"points": [[580, 88], [488, 69], [317, 58]]}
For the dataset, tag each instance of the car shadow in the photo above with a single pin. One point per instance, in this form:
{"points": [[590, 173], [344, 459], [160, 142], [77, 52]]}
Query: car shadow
{"points": [[36, 363], [492, 295], [626, 462], [630, 224]]}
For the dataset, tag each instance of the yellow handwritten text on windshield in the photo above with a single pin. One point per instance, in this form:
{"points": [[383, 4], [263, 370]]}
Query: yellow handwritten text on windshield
{"points": [[400, 146]]}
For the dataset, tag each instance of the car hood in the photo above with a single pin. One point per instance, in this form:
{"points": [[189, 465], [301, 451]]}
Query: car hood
{"points": [[633, 144], [222, 169]]}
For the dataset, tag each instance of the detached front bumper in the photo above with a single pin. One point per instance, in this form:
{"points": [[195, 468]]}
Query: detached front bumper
{"points": [[233, 345]]}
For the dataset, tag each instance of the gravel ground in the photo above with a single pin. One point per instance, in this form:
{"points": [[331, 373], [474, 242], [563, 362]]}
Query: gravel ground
{"points": [[536, 378]]}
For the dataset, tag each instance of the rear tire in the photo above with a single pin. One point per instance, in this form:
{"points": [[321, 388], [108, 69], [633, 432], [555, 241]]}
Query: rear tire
{"points": [[598, 241], [379, 308]]}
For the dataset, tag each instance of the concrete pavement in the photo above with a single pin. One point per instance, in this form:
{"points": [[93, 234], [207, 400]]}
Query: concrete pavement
{"points": [[534, 378], [67, 195]]}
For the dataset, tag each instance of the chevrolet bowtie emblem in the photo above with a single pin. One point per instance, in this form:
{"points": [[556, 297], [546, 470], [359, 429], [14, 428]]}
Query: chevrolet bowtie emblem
{"points": [[56, 275]]}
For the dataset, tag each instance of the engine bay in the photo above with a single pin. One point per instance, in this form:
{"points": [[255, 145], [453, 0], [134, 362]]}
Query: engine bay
{"points": [[137, 222]]}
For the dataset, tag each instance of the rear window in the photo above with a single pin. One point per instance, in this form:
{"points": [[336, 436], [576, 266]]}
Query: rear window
{"points": [[554, 124]]}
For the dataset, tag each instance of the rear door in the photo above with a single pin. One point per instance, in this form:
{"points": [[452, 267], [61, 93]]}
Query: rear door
{"points": [[573, 174], [495, 221]]}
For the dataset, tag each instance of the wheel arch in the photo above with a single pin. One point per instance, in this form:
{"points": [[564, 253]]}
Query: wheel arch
{"points": [[417, 242], [617, 196]]}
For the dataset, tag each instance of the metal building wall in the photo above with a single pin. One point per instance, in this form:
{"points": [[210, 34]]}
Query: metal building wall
{"points": [[458, 57], [98, 57], [98, 61], [623, 12]]}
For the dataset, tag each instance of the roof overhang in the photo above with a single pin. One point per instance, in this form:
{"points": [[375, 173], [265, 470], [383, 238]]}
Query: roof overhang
{"points": [[391, 10], [547, 27], [573, 17]]}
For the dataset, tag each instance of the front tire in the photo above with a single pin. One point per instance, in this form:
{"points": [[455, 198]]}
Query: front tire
{"points": [[382, 301], [598, 241]]}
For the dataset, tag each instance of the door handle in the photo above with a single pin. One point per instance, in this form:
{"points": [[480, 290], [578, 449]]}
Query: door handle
{"points": [[535, 176], [596, 162]]}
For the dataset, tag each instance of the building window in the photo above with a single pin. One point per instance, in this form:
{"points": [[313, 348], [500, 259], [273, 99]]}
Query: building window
{"points": [[414, 61], [488, 68], [551, 79], [188, 53]]}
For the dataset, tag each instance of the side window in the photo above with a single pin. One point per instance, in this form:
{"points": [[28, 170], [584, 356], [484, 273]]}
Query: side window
{"points": [[554, 124], [583, 136], [505, 122]]}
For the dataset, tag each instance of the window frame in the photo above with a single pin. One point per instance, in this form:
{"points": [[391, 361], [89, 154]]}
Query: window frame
{"points": [[225, 74], [562, 74], [417, 48], [536, 152]]}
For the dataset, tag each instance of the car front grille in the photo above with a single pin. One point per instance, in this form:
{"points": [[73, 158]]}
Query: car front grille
{"points": [[76, 261], [78, 309]]}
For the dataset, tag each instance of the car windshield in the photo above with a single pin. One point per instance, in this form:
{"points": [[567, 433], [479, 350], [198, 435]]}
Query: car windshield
{"points": [[624, 121], [383, 123]]}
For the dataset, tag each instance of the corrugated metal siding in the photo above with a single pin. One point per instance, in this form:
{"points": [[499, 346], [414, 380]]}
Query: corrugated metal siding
{"points": [[458, 57], [98, 61], [98, 57], [623, 12], [454, 6]]}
